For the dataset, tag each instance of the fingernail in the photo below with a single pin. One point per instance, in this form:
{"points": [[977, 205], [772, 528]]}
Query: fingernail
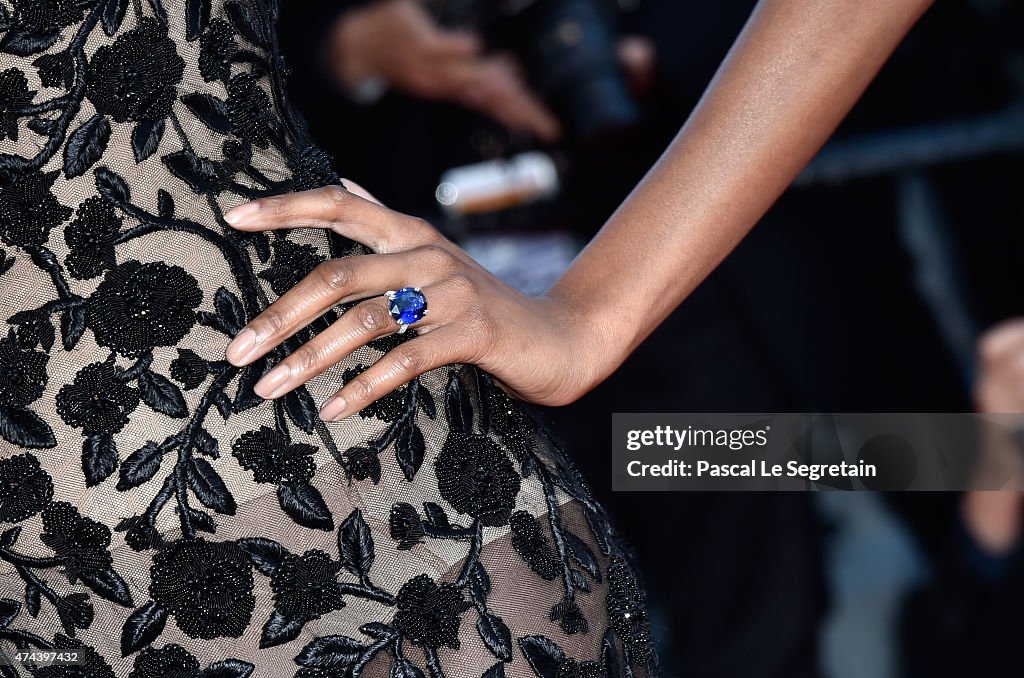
{"points": [[333, 409], [274, 382], [241, 346], [241, 213]]}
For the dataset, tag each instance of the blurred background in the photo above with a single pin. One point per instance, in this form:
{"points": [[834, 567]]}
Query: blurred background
{"points": [[887, 279]]}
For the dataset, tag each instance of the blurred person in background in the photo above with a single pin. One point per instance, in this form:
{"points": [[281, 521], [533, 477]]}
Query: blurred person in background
{"points": [[966, 618], [389, 68], [399, 45], [455, 82]]}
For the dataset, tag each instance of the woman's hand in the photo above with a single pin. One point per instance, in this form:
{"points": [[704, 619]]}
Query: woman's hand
{"points": [[537, 347], [994, 518], [399, 41]]}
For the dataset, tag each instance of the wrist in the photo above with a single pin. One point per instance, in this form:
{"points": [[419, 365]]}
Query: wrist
{"points": [[593, 330]]}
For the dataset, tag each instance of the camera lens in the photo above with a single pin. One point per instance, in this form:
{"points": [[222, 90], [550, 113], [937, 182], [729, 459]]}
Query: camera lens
{"points": [[569, 51]]}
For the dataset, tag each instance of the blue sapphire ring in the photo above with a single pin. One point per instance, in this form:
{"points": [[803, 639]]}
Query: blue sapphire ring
{"points": [[406, 306]]}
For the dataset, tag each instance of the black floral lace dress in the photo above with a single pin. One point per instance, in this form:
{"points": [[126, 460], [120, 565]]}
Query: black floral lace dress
{"points": [[157, 518]]}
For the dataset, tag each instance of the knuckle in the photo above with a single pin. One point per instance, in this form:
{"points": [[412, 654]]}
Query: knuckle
{"points": [[335, 274], [272, 322], [437, 258], [337, 195], [481, 324], [423, 229], [462, 284], [276, 206], [305, 359], [409, 361], [373, 318], [360, 389]]}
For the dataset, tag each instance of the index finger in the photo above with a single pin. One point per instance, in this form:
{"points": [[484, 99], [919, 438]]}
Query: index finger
{"points": [[499, 91], [453, 45], [334, 207]]}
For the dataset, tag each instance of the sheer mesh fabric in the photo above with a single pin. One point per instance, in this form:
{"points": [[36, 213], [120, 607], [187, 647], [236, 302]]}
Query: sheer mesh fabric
{"points": [[155, 515]]}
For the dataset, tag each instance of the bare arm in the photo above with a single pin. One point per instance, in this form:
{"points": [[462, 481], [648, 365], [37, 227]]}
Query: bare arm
{"points": [[791, 77], [793, 74]]}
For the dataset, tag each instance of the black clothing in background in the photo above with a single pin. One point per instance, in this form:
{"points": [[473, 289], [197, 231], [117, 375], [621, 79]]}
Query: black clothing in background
{"points": [[966, 621]]}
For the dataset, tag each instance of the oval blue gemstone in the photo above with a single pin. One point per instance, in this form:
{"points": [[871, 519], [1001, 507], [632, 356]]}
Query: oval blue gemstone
{"points": [[407, 306]]}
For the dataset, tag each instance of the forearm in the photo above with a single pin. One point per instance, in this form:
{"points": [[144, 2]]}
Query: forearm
{"points": [[793, 74]]}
